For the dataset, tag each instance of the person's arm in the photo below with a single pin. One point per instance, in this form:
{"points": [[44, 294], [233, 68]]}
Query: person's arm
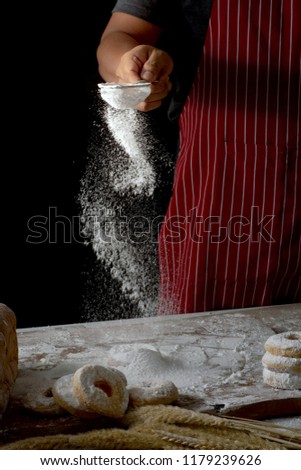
{"points": [[127, 53]]}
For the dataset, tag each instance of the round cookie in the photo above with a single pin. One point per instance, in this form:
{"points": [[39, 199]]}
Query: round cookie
{"points": [[281, 363], [8, 354], [286, 344], [157, 393], [65, 397], [42, 402], [101, 389], [283, 380], [34, 393]]}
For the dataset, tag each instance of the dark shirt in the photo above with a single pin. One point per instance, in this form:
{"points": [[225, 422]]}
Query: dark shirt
{"points": [[184, 25]]}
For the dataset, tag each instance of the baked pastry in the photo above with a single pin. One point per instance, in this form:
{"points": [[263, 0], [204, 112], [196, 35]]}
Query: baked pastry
{"points": [[286, 344], [283, 380], [282, 361], [101, 389], [35, 395], [151, 393], [276, 363], [65, 397], [8, 354]]}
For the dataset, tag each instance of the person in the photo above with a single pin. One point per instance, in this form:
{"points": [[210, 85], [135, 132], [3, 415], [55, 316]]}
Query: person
{"points": [[231, 233]]}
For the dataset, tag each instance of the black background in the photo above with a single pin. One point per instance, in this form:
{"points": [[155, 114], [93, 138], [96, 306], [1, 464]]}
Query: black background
{"points": [[49, 68], [48, 65]]}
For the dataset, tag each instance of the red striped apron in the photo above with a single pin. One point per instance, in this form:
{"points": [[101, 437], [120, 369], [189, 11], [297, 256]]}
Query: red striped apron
{"points": [[231, 234]]}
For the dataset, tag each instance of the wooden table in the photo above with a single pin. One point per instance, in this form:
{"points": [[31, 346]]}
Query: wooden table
{"points": [[214, 358]]}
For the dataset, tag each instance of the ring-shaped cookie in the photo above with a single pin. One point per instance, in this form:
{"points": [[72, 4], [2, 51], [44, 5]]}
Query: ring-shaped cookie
{"points": [[8, 355], [65, 397], [101, 389], [281, 363], [283, 380], [156, 393], [286, 344], [42, 402], [36, 396]]}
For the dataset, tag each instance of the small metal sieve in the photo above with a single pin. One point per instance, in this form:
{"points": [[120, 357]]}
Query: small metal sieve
{"points": [[125, 95]]}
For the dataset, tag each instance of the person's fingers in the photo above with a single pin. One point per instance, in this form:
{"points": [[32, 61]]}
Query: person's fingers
{"points": [[146, 106], [161, 88], [158, 66], [146, 63], [150, 64], [128, 70], [159, 91], [154, 100]]}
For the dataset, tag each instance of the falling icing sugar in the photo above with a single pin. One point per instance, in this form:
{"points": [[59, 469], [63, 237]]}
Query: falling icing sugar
{"points": [[120, 219], [125, 127]]}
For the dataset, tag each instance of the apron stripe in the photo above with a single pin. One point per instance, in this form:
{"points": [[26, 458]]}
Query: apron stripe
{"points": [[266, 142], [231, 235], [276, 141]]}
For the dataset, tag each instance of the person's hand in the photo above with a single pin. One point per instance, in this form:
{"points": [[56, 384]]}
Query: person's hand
{"points": [[150, 64]]}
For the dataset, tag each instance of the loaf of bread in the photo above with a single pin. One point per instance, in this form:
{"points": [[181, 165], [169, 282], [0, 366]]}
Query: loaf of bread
{"points": [[8, 354]]}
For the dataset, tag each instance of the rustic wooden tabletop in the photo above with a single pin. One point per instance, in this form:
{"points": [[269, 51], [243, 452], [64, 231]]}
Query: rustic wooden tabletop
{"points": [[214, 358]]}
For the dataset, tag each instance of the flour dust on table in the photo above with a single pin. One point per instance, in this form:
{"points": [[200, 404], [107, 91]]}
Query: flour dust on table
{"points": [[128, 169]]}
